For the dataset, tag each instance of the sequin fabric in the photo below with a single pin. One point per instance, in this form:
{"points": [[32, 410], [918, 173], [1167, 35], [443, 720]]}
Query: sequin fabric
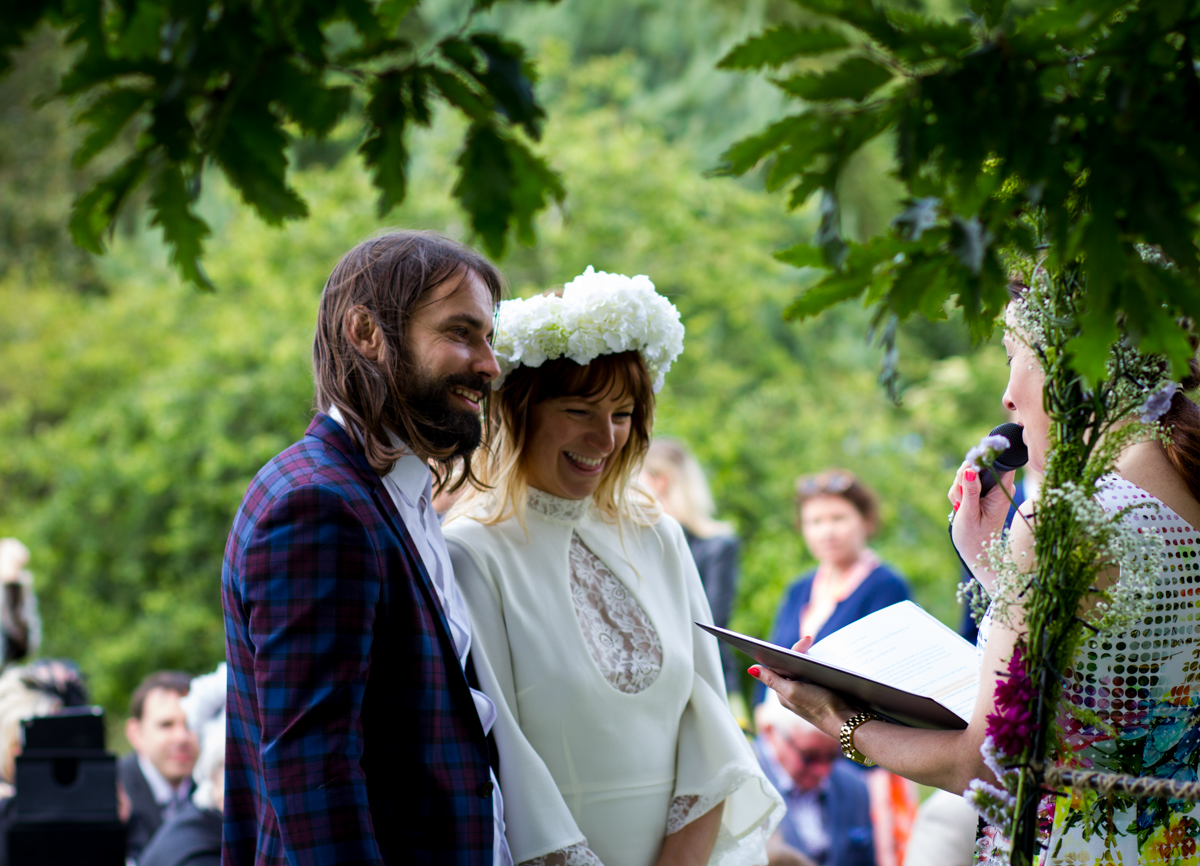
{"points": [[1141, 686], [1143, 683]]}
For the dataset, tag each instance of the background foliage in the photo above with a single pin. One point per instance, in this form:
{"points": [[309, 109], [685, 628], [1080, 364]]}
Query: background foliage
{"points": [[174, 87], [134, 411], [1063, 134]]}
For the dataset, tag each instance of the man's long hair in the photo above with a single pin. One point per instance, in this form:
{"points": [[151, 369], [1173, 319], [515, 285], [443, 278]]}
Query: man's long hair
{"points": [[391, 276]]}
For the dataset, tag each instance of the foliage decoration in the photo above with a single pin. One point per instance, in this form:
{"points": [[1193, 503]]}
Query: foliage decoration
{"points": [[1079, 549], [1063, 135], [232, 83], [1084, 111]]}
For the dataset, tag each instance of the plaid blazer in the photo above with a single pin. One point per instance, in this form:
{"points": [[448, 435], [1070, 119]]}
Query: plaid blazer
{"points": [[351, 735]]}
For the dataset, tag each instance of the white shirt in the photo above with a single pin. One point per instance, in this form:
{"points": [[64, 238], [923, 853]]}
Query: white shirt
{"points": [[165, 794], [410, 486]]}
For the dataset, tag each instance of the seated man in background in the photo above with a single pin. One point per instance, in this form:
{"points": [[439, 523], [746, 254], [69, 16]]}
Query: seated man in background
{"points": [[157, 775], [193, 836], [828, 820]]}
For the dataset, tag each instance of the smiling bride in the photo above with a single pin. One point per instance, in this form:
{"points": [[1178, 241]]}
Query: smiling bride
{"points": [[616, 742]]}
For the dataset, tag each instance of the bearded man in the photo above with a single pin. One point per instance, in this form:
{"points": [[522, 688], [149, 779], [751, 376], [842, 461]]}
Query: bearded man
{"points": [[353, 734]]}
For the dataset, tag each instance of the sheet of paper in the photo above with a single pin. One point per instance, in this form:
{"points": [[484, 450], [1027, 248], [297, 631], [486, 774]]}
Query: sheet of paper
{"points": [[905, 647]]}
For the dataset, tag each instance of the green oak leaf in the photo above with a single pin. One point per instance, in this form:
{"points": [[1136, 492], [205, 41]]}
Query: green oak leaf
{"points": [[183, 231], [856, 79], [780, 44]]}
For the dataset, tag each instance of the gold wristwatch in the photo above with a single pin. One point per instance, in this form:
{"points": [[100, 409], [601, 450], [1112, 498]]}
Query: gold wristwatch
{"points": [[846, 737]]}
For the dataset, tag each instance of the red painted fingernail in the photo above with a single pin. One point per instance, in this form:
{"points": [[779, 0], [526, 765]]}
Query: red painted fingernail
{"points": [[754, 671], [969, 475], [956, 504], [960, 490]]}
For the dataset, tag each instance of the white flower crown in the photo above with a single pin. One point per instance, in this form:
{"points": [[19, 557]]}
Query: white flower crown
{"points": [[598, 314]]}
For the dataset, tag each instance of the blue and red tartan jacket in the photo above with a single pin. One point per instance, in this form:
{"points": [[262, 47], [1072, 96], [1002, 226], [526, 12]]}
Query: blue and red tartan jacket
{"points": [[351, 735]]}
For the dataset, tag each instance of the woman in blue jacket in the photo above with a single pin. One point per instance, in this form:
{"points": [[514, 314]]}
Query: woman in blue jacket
{"points": [[837, 514]]}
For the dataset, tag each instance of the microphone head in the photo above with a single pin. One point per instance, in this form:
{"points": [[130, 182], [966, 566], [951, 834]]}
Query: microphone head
{"points": [[1017, 454]]}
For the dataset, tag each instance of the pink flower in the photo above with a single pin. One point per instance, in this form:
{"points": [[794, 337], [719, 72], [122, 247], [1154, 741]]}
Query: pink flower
{"points": [[1012, 725]]}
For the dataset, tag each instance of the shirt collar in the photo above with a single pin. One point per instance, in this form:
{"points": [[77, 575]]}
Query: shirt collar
{"points": [[162, 790], [410, 473]]}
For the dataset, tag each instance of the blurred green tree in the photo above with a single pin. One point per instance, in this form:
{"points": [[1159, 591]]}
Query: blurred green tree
{"points": [[134, 420]]}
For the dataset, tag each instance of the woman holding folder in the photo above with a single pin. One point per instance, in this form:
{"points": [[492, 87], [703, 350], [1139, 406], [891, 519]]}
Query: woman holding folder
{"points": [[1166, 475], [616, 742]]}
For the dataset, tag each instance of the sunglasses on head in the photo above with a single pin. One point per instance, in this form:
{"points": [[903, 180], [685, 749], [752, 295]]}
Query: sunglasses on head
{"points": [[839, 482]]}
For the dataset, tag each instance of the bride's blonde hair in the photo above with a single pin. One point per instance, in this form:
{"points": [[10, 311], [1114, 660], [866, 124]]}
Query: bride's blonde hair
{"points": [[504, 470]]}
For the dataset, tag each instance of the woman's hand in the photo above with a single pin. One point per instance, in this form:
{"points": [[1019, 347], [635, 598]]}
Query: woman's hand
{"points": [[942, 759], [818, 705], [976, 520]]}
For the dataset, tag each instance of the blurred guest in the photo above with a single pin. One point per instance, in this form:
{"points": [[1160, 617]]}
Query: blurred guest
{"points": [[943, 833], [828, 809], [22, 630], [673, 473], [157, 775], [837, 514], [39, 689], [193, 836]]}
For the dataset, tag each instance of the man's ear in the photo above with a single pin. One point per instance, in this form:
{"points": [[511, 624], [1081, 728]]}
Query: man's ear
{"points": [[364, 333], [133, 733]]}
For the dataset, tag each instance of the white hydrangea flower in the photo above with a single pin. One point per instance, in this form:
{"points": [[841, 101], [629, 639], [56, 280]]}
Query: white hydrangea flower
{"points": [[597, 314]]}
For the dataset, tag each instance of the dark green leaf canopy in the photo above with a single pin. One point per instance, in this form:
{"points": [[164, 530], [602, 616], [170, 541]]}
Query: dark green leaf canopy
{"points": [[1065, 136], [232, 83]]}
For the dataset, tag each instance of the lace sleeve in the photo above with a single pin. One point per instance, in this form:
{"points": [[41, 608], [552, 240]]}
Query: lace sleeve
{"points": [[685, 810], [575, 855]]}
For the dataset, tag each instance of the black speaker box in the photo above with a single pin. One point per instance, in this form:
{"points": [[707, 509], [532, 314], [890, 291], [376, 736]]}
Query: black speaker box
{"points": [[66, 801]]}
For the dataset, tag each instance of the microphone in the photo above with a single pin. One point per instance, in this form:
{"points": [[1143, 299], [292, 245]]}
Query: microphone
{"points": [[1015, 457]]}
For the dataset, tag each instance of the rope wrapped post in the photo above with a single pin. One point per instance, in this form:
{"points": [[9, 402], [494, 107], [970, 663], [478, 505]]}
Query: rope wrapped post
{"points": [[1137, 787]]}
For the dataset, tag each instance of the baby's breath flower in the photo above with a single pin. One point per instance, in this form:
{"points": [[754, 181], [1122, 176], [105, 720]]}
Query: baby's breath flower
{"points": [[985, 453], [1107, 538], [1158, 403]]}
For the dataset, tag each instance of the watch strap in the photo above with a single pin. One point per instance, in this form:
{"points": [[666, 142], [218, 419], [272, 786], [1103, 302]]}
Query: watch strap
{"points": [[846, 737]]}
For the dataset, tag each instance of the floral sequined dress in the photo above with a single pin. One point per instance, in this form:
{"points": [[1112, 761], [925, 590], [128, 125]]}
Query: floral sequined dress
{"points": [[1143, 684], [613, 726]]}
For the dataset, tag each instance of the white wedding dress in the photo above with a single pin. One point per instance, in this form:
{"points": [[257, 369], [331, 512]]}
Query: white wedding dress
{"points": [[613, 727]]}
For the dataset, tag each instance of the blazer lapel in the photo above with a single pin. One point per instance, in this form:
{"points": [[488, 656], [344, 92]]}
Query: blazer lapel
{"points": [[331, 433], [388, 507], [384, 499]]}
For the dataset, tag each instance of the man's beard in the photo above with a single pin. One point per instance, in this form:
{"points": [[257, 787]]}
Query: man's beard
{"points": [[442, 424]]}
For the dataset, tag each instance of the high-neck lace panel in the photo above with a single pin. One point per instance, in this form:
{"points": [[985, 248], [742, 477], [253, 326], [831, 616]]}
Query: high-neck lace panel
{"points": [[617, 631], [566, 511], [618, 634]]}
